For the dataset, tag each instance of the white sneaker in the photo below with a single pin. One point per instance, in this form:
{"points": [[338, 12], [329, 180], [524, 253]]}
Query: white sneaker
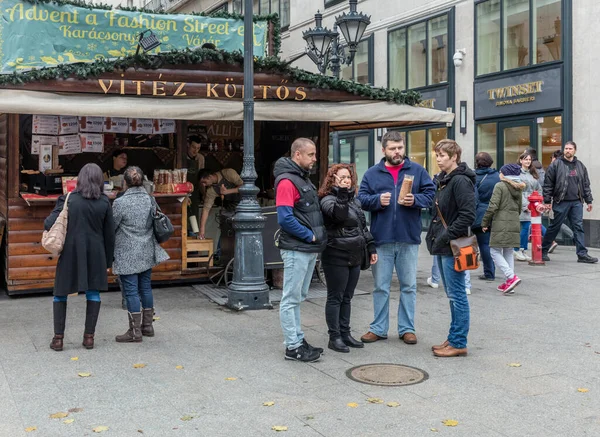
{"points": [[468, 291], [432, 284], [519, 255], [527, 257]]}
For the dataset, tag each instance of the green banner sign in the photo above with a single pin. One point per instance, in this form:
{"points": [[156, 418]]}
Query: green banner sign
{"points": [[37, 35]]}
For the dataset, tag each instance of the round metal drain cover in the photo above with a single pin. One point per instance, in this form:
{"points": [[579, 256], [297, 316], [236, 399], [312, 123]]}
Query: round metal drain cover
{"points": [[387, 374]]}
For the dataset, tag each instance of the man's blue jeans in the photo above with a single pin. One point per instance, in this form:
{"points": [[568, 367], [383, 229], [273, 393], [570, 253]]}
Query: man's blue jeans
{"points": [[573, 210], [404, 258], [436, 276], [483, 240], [297, 273], [454, 284], [138, 287]]}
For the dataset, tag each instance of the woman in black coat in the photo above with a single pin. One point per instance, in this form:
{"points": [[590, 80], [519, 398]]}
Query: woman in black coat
{"points": [[455, 202], [347, 238], [87, 252]]}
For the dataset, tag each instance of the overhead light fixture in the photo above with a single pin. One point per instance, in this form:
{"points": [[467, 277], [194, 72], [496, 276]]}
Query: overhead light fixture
{"points": [[147, 41]]}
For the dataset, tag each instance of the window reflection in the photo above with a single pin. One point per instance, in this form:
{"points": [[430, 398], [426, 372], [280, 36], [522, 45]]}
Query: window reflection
{"points": [[438, 50], [488, 37], [417, 61], [547, 31], [486, 139], [549, 137], [417, 147], [397, 61], [516, 33]]}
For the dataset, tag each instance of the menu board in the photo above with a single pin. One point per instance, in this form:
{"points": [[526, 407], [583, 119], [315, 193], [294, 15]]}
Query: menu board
{"points": [[38, 140], [163, 126], [91, 124], [69, 145], [92, 143], [116, 125], [45, 125], [68, 125], [140, 126]]}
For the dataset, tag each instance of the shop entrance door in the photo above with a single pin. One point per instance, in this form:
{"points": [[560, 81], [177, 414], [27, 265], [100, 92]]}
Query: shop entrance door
{"points": [[516, 137]]}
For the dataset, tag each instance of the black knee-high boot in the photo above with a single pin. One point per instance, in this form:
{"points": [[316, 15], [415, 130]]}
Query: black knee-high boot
{"points": [[60, 316], [91, 318]]}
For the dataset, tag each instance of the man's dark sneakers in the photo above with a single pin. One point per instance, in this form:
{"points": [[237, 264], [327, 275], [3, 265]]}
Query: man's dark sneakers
{"points": [[311, 347], [302, 353], [545, 257], [587, 259]]}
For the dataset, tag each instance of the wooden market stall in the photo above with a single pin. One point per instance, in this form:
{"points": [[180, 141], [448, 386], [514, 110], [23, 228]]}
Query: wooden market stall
{"points": [[197, 93]]}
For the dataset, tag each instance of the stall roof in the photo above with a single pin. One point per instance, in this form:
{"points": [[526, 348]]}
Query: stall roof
{"points": [[350, 115]]}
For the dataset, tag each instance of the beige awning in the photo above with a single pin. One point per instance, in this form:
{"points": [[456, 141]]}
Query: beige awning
{"points": [[341, 115]]}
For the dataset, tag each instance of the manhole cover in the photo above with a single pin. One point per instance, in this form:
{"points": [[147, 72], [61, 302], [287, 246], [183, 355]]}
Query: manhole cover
{"points": [[387, 374]]}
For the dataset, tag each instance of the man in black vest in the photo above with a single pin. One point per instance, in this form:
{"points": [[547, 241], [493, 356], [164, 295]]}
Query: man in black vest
{"points": [[301, 239]]}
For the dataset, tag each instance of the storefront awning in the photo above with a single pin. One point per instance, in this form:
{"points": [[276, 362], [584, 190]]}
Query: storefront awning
{"points": [[362, 114]]}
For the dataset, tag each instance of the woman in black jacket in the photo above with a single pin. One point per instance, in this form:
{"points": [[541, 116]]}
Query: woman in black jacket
{"points": [[455, 200], [347, 238], [87, 252]]}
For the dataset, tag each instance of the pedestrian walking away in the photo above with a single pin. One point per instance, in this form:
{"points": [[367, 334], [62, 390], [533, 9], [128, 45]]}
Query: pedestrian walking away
{"points": [[87, 252], [136, 253], [347, 239], [566, 189], [502, 216], [395, 207], [455, 203], [487, 178], [301, 238]]}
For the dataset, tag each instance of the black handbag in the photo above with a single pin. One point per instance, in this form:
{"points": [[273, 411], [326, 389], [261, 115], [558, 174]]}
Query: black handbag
{"points": [[163, 228]]}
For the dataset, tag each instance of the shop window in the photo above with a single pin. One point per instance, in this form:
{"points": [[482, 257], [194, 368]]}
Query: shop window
{"points": [[420, 145], [238, 6], [438, 50], [417, 151], [418, 54], [487, 135], [361, 69], [516, 140], [516, 33], [512, 38], [435, 136], [280, 7], [549, 137], [488, 37], [354, 149], [547, 33], [397, 59]]}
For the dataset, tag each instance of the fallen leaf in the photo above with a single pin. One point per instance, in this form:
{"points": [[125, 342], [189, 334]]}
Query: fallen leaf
{"points": [[279, 428], [596, 352], [68, 421], [186, 418], [31, 428], [100, 428], [583, 390], [433, 429], [179, 367], [393, 404], [58, 415], [309, 417], [450, 422], [139, 366], [514, 365], [352, 405], [155, 318], [375, 400], [84, 374], [140, 431], [74, 358], [75, 410], [268, 404], [230, 379]]}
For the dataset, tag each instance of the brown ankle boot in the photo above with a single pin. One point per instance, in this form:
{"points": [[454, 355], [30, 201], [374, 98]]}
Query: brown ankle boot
{"points": [[147, 319], [88, 341], [134, 334], [57, 342]]}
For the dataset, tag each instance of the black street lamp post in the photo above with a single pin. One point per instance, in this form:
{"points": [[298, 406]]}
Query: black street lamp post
{"points": [[248, 290], [326, 51]]}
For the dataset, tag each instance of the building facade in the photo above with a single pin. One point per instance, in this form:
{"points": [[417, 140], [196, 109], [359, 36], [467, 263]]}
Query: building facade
{"points": [[517, 73]]}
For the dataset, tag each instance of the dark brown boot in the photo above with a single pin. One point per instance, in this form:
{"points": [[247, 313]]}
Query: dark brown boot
{"points": [[134, 334], [91, 318], [57, 342], [147, 319], [60, 316]]}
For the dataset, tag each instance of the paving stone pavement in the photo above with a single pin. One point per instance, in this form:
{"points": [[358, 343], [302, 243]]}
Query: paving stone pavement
{"points": [[233, 363]]}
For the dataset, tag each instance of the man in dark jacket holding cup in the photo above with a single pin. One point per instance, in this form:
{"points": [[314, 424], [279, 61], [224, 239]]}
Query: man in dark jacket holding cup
{"points": [[396, 228]]}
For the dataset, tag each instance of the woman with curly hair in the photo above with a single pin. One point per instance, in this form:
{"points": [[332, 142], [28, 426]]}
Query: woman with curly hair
{"points": [[347, 238], [529, 176]]}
